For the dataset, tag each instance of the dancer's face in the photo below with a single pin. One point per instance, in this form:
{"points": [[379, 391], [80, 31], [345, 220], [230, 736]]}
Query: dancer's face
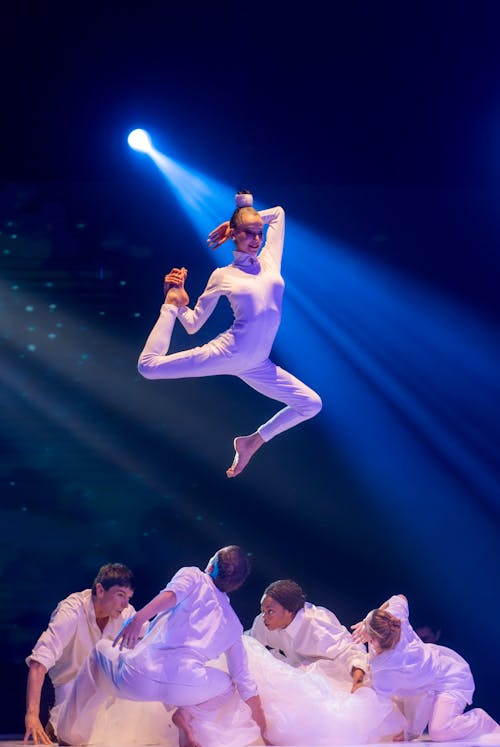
{"points": [[248, 234], [211, 565], [111, 602], [275, 615]]}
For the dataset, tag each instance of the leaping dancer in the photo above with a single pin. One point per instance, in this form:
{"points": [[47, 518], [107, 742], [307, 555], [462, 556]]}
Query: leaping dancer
{"points": [[254, 288]]}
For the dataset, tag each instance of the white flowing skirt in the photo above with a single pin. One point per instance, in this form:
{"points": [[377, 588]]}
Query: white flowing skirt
{"points": [[301, 708]]}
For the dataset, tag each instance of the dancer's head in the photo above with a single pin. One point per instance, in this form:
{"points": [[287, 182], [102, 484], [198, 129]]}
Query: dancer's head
{"points": [[112, 589], [428, 633], [383, 630], [113, 574], [229, 568], [246, 224], [280, 603]]}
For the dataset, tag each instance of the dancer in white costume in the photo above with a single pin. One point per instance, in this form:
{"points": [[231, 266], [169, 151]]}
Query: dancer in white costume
{"points": [[307, 636], [193, 623], [433, 683], [75, 626], [254, 288]]}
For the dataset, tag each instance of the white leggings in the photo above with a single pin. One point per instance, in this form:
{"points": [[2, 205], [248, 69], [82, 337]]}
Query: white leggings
{"points": [[104, 675], [213, 359], [448, 721]]}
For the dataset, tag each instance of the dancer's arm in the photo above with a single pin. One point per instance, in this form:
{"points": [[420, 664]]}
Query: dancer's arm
{"points": [[237, 664], [219, 235], [273, 248], [358, 676], [193, 319], [60, 631], [397, 606], [46, 652], [133, 628], [324, 640], [34, 728], [255, 705], [396, 598]]}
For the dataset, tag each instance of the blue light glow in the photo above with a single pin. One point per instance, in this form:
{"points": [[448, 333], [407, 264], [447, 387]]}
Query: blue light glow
{"points": [[140, 140]]}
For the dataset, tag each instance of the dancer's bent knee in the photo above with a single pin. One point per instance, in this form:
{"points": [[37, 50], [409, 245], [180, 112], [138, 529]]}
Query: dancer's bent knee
{"points": [[312, 405], [145, 367]]}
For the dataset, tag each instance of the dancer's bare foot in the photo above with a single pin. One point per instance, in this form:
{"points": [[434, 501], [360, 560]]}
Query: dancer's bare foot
{"points": [[182, 720], [399, 737], [244, 447], [173, 285]]}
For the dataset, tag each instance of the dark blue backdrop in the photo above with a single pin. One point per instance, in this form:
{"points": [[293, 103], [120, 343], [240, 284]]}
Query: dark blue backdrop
{"points": [[376, 127]]}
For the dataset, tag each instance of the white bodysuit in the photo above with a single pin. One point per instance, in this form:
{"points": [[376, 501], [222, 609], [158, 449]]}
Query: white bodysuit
{"points": [[433, 683], [254, 288]]}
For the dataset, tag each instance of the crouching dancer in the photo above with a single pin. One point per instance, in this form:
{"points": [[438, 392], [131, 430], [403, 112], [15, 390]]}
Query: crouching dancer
{"points": [[432, 683], [193, 624]]}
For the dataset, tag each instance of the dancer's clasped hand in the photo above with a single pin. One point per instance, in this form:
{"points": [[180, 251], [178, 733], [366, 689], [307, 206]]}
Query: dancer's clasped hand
{"points": [[175, 278], [173, 286]]}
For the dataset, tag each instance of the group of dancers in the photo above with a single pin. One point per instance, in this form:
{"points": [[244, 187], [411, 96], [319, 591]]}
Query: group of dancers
{"points": [[181, 670]]}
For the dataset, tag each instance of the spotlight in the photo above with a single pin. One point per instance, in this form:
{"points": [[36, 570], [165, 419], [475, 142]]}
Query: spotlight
{"points": [[140, 140]]}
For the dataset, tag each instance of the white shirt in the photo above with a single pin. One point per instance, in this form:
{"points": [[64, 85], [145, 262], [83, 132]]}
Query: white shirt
{"points": [[413, 667], [71, 634], [314, 640], [202, 625], [254, 288]]}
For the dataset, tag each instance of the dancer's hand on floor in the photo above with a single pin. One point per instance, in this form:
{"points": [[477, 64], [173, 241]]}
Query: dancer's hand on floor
{"points": [[35, 730]]}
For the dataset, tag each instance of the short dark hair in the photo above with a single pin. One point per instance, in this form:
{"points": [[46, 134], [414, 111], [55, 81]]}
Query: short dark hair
{"points": [[287, 593], [231, 568], [114, 574]]}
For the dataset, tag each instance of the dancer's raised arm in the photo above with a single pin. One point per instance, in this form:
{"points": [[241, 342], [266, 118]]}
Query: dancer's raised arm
{"points": [[272, 250]]}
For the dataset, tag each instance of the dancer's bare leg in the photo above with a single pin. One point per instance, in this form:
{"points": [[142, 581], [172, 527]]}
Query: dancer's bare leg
{"points": [[182, 720], [244, 447], [173, 285]]}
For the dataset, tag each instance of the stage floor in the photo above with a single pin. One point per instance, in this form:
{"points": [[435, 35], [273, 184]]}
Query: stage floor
{"points": [[14, 740]]}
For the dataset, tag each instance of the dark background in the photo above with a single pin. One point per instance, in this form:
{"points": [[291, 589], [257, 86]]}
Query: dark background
{"points": [[377, 126]]}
